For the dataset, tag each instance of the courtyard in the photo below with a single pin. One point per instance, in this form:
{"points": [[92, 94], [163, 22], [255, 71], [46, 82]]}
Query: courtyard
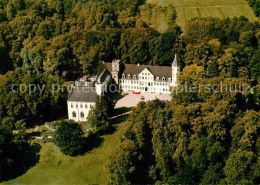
{"points": [[131, 100]]}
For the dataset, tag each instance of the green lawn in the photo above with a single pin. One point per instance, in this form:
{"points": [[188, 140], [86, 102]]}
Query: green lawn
{"points": [[56, 168], [188, 9]]}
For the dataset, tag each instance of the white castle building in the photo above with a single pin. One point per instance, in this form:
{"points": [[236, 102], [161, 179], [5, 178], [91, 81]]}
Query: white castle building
{"points": [[144, 78], [128, 77], [84, 94]]}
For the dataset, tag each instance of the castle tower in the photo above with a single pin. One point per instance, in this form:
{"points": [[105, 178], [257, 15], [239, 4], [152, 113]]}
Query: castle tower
{"points": [[175, 70], [116, 70]]}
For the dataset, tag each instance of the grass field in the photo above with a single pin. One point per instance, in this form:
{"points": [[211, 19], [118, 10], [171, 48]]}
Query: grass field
{"points": [[188, 9], [54, 168]]}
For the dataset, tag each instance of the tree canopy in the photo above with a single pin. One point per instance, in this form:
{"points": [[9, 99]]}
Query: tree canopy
{"points": [[69, 138]]}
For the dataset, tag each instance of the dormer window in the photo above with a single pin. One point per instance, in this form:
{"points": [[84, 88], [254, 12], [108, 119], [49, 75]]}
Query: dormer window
{"points": [[169, 79], [134, 76], [123, 76], [157, 78], [163, 79], [129, 76]]}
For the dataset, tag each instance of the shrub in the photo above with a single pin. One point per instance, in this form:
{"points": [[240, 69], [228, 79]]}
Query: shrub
{"points": [[69, 138]]}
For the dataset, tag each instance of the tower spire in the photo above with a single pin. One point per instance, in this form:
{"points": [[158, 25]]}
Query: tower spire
{"points": [[175, 70], [175, 64]]}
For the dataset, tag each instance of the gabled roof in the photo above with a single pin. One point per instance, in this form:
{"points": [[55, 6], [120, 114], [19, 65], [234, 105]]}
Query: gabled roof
{"points": [[137, 69], [133, 69], [148, 69], [103, 76], [83, 94], [161, 71]]}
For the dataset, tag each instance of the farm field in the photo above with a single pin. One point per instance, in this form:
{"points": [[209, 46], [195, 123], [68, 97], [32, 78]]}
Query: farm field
{"points": [[187, 9], [54, 168]]}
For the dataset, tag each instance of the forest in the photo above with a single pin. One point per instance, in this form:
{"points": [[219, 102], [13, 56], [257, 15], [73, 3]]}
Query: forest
{"points": [[209, 142], [203, 138], [199, 137], [255, 4], [48, 42]]}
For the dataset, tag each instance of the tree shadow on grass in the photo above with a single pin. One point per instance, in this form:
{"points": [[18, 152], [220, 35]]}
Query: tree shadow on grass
{"points": [[106, 131], [24, 161], [91, 142], [95, 139], [119, 120], [121, 110], [32, 156]]}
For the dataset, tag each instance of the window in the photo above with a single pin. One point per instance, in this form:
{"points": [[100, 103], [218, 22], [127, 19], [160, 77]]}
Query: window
{"points": [[129, 76], [134, 76], [76, 105], [74, 115], [163, 79], [72, 105], [82, 115], [86, 106], [157, 78], [81, 106], [123, 76], [169, 79]]}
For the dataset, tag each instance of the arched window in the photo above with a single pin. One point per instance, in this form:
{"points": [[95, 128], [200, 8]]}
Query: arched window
{"points": [[123, 75], [74, 115], [169, 79], [81, 106], [82, 115], [86, 106]]}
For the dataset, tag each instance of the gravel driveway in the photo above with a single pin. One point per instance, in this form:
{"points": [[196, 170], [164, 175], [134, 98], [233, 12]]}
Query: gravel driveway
{"points": [[131, 100]]}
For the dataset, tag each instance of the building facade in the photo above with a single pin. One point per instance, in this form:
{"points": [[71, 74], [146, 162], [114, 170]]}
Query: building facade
{"points": [[129, 77], [84, 94], [144, 78], [78, 111], [80, 103]]}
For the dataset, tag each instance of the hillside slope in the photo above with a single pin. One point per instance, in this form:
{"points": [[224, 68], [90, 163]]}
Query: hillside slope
{"points": [[55, 168], [156, 12]]}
